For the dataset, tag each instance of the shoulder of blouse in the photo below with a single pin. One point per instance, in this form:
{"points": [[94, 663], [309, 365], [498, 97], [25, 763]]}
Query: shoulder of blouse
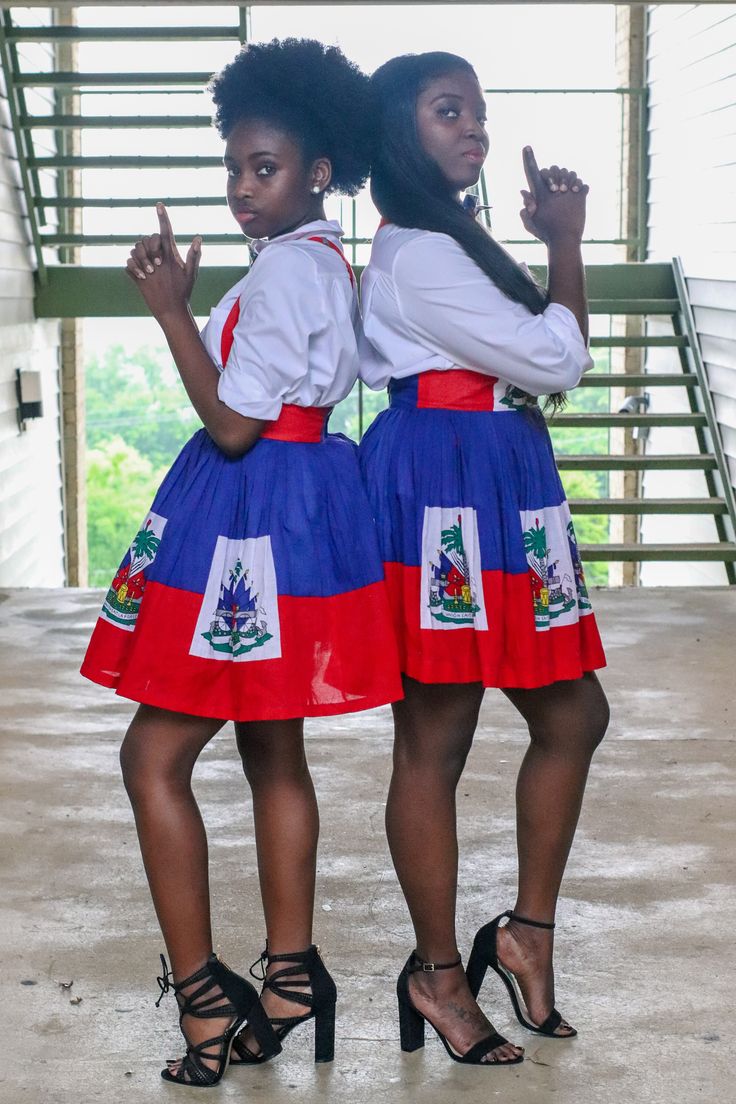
{"points": [[435, 264]]}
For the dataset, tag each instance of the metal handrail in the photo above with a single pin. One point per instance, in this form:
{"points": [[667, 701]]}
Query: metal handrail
{"points": [[695, 358]]}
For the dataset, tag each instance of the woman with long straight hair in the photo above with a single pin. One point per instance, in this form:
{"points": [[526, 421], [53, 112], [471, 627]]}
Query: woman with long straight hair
{"points": [[479, 550]]}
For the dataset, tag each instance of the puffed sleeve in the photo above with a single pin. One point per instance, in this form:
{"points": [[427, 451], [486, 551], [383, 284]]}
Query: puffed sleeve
{"points": [[453, 308], [282, 306]]}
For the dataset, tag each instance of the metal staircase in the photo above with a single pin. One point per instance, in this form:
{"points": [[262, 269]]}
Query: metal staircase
{"points": [[656, 291], [50, 119]]}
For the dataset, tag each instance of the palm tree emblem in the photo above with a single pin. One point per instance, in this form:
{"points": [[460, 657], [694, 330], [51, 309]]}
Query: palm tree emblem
{"points": [[144, 547], [535, 546], [452, 539]]}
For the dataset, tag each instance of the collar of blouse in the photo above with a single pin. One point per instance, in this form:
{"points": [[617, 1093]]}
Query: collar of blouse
{"points": [[322, 227]]}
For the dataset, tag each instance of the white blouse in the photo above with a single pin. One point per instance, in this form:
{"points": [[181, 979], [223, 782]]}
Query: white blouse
{"points": [[296, 339], [428, 306]]}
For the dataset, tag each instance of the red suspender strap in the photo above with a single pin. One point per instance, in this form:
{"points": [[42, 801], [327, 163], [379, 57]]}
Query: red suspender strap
{"points": [[338, 250], [226, 339]]}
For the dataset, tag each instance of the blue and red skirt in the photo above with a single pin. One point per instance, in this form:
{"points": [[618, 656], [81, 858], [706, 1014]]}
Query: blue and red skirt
{"points": [[480, 556], [254, 588]]}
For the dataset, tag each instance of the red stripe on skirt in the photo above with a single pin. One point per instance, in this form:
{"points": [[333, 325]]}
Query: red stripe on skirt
{"points": [[510, 653], [340, 641]]}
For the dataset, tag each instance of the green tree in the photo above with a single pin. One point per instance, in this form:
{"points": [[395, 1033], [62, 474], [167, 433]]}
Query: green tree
{"points": [[139, 397], [121, 485]]}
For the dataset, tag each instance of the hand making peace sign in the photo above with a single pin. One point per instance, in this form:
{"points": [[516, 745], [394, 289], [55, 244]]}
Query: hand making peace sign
{"points": [[554, 205], [164, 279]]}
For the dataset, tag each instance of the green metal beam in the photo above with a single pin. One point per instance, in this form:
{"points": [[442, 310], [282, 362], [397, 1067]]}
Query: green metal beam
{"points": [[650, 462], [181, 162], [647, 506], [122, 34], [122, 240], [644, 342], [642, 379], [633, 306], [112, 122], [131, 201], [626, 421], [113, 80], [628, 553], [109, 293], [78, 292]]}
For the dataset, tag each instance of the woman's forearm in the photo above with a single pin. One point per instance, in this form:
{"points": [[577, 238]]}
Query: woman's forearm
{"points": [[233, 433], [566, 284]]}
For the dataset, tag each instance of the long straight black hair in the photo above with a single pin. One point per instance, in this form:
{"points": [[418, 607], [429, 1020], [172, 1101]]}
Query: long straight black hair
{"points": [[409, 189]]}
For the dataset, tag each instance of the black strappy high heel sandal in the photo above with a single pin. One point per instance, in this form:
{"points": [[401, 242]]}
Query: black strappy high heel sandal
{"points": [[412, 1021], [287, 983], [485, 954], [219, 993]]}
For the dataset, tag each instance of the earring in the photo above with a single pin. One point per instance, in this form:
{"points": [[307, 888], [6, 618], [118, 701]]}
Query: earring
{"points": [[315, 189]]}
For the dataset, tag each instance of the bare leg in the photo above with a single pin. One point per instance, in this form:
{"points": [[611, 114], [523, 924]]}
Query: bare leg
{"points": [[157, 758], [287, 831], [566, 722], [434, 727]]}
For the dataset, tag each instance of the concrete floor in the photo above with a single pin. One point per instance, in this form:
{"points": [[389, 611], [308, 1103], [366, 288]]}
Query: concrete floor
{"points": [[646, 921]]}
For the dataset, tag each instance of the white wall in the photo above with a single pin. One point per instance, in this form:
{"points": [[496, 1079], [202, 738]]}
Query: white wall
{"points": [[691, 62], [31, 525]]}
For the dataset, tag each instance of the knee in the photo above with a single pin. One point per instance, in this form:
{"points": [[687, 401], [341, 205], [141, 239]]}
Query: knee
{"points": [[132, 765], [268, 762], [147, 768], [578, 733], [599, 721], [441, 762]]}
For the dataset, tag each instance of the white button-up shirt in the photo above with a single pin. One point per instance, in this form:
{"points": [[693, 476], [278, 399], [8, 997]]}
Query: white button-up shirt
{"points": [[428, 306], [296, 339]]}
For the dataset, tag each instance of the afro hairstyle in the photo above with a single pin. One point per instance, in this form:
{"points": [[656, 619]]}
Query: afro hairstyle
{"points": [[312, 92]]}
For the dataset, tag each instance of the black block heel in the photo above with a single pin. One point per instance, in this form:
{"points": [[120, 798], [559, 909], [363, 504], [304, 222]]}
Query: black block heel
{"points": [[411, 1027], [324, 1034], [287, 983], [218, 993], [485, 954], [412, 1021]]}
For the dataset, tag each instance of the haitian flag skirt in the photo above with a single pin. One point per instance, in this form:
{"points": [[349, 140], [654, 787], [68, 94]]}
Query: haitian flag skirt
{"points": [[254, 588], [481, 562]]}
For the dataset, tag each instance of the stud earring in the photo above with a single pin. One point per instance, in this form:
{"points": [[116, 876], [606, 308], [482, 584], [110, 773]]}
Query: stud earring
{"points": [[315, 189]]}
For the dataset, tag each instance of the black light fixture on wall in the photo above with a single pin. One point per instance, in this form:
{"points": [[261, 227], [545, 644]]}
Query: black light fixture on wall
{"points": [[28, 395]]}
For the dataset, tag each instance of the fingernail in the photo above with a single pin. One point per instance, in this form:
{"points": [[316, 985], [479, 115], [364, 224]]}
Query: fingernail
{"points": [[575, 188], [157, 260], [159, 207], [563, 187], [140, 276], [149, 268], [553, 187]]}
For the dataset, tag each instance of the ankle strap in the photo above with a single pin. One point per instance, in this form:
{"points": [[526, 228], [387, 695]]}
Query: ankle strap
{"points": [[266, 958], [531, 923], [416, 964], [166, 982]]}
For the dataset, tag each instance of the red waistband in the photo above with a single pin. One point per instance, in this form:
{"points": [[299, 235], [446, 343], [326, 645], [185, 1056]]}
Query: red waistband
{"points": [[456, 389], [298, 423]]}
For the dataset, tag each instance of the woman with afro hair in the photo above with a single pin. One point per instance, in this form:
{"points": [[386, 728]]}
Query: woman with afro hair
{"points": [[253, 591]]}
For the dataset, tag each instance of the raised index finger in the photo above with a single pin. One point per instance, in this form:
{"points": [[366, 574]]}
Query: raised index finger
{"points": [[168, 244], [167, 232], [531, 169]]}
